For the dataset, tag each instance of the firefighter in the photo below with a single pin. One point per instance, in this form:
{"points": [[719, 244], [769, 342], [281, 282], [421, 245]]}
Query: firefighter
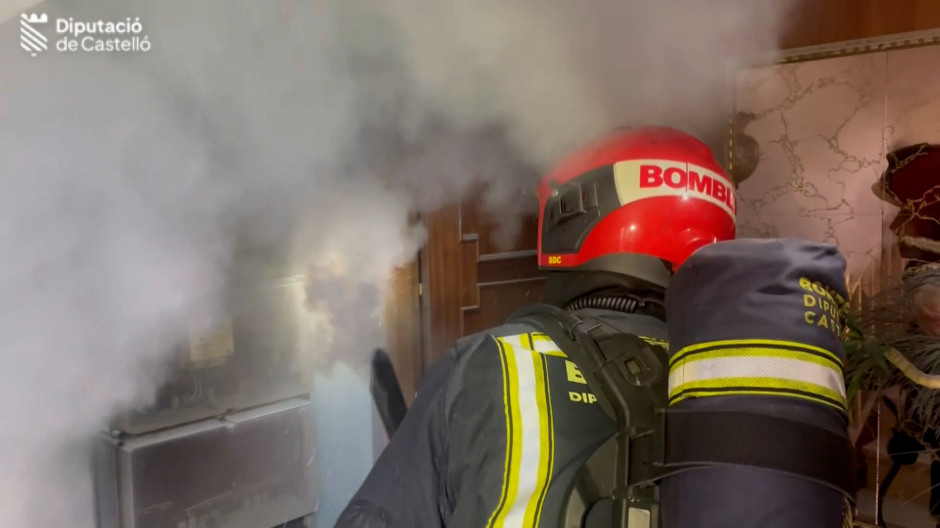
{"points": [[510, 429], [503, 423]]}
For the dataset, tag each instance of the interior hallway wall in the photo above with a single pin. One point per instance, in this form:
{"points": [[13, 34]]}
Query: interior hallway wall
{"points": [[824, 128]]}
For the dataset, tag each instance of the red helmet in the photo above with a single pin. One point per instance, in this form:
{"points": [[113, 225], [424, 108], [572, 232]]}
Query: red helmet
{"points": [[638, 202]]}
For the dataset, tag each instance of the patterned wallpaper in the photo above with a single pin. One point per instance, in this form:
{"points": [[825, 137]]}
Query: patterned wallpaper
{"points": [[823, 128]]}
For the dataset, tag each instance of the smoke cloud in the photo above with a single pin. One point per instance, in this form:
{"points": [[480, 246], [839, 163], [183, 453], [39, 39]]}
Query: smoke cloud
{"points": [[262, 136]]}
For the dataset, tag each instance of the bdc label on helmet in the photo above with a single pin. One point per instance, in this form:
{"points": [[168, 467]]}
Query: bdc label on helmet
{"points": [[640, 179]]}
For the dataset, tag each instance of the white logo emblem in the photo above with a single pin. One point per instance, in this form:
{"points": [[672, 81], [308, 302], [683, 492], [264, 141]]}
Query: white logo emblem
{"points": [[31, 39]]}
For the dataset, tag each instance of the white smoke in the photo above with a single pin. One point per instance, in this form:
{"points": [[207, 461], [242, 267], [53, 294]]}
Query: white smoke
{"points": [[130, 182], [554, 73]]}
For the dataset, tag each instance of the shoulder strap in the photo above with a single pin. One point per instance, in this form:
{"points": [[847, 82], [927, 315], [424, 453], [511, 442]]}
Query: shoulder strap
{"points": [[703, 438], [620, 368], [629, 377]]}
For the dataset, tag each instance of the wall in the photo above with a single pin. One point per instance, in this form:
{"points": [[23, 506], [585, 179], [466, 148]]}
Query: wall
{"points": [[824, 128], [824, 21]]}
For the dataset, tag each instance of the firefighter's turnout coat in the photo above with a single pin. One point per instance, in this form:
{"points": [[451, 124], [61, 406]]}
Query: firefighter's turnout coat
{"points": [[504, 424], [497, 436]]}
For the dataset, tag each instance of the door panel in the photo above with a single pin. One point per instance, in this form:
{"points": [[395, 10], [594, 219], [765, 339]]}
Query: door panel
{"points": [[403, 328], [475, 273]]}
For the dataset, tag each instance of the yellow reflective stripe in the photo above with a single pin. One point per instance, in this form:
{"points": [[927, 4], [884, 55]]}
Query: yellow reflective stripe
{"points": [[508, 402], [655, 342], [754, 343], [537, 337], [517, 445], [533, 510], [530, 442], [748, 352], [782, 386], [758, 392], [734, 369], [543, 344], [549, 438], [783, 369]]}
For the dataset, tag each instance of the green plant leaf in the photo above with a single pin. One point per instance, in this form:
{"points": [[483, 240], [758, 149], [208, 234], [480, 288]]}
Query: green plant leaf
{"points": [[874, 350], [859, 374], [854, 384], [851, 347]]}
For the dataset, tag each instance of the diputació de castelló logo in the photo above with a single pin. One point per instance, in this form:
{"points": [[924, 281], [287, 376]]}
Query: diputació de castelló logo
{"points": [[76, 35], [32, 39]]}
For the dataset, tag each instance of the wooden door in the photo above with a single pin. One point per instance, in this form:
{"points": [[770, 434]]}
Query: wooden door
{"points": [[469, 280], [403, 328]]}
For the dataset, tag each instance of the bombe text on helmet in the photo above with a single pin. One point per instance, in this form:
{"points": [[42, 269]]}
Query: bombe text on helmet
{"points": [[640, 179]]}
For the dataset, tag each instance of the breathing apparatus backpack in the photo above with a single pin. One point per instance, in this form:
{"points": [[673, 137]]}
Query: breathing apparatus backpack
{"points": [[629, 377]]}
